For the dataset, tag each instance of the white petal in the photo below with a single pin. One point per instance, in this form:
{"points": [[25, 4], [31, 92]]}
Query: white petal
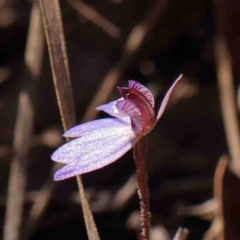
{"points": [[111, 109], [93, 126], [100, 140], [105, 152]]}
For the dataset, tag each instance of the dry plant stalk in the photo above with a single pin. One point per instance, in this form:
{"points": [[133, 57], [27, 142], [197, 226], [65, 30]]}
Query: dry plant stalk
{"points": [[218, 192], [51, 14], [124, 194], [228, 102], [182, 234], [96, 18], [134, 41], [226, 181], [24, 127]]}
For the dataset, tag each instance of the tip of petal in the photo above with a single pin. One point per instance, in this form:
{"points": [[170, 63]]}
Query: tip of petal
{"points": [[167, 96], [54, 156], [57, 178], [65, 172], [123, 90], [179, 77], [98, 108]]}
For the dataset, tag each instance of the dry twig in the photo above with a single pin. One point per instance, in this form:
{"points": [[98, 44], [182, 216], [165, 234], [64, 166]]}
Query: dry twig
{"points": [[23, 128], [218, 195], [228, 102], [226, 181], [182, 234], [124, 194], [59, 63], [132, 45], [206, 210], [96, 18]]}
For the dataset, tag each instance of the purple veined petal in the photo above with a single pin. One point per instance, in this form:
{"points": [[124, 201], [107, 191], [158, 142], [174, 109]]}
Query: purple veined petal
{"points": [[93, 126], [100, 140], [104, 153], [143, 90], [110, 108], [166, 98], [138, 108], [129, 108]]}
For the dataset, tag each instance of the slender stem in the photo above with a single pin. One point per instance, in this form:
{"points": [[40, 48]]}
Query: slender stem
{"points": [[52, 21], [133, 43], [182, 234], [96, 18], [23, 128], [91, 228], [142, 183], [228, 101], [219, 178]]}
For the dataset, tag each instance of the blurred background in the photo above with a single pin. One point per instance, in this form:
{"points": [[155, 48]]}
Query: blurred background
{"points": [[152, 42]]}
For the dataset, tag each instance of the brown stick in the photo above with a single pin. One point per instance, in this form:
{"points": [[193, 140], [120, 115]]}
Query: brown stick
{"points": [[134, 41], [227, 185], [218, 191], [96, 18], [182, 234], [228, 102], [23, 128], [51, 14]]}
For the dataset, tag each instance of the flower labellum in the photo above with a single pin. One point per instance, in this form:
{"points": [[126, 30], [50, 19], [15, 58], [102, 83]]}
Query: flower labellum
{"points": [[103, 141]]}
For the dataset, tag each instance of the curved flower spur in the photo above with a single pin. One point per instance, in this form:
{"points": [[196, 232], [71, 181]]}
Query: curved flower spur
{"points": [[103, 141]]}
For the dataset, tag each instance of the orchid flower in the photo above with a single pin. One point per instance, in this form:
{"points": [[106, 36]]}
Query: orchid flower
{"points": [[103, 141]]}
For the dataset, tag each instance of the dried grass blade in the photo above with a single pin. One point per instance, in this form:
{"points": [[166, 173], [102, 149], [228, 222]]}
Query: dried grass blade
{"points": [[23, 128], [96, 18], [58, 57], [134, 41], [228, 101], [182, 234], [51, 14]]}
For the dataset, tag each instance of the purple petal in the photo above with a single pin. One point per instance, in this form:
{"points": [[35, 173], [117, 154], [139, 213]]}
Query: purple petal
{"points": [[129, 108], [166, 98], [93, 126], [138, 108], [143, 90], [100, 140], [110, 108], [92, 156]]}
